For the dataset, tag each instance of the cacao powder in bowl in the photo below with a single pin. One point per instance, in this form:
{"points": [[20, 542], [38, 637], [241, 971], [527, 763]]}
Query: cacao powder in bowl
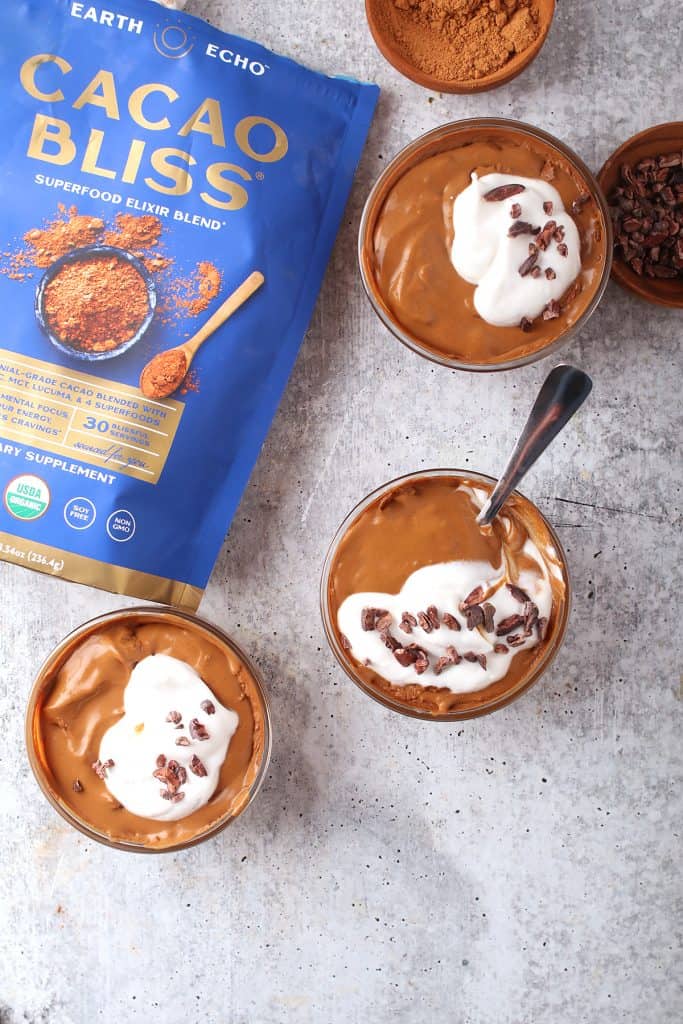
{"points": [[460, 46]]}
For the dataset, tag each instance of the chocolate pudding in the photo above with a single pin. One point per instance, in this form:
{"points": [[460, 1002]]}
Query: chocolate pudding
{"points": [[148, 729], [431, 613], [484, 243]]}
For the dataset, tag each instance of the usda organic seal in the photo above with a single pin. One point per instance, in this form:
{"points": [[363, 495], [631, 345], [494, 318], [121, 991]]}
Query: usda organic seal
{"points": [[27, 497]]}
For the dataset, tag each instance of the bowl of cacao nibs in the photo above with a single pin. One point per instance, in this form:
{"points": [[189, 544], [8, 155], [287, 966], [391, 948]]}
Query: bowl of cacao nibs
{"points": [[643, 182]]}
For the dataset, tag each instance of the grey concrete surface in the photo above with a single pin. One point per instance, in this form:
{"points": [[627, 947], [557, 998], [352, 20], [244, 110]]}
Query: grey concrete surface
{"points": [[520, 869]]}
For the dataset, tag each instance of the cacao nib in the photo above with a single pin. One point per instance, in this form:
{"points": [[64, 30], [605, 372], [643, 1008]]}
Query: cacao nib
{"points": [[497, 195], [515, 211], [451, 622], [518, 594], [474, 597], [509, 624], [208, 706], [77, 786], [174, 716], [522, 227], [489, 612], [500, 648], [433, 616], [196, 767], [197, 730], [475, 616]]}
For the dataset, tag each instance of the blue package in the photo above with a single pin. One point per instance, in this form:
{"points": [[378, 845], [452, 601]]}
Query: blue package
{"points": [[151, 166]]}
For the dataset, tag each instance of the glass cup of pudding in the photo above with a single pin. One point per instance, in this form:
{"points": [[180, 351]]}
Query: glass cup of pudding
{"points": [[485, 244], [148, 729], [434, 616]]}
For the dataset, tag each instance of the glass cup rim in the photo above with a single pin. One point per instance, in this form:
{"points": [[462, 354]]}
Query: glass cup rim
{"points": [[454, 127], [38, 687], [388, 702]]}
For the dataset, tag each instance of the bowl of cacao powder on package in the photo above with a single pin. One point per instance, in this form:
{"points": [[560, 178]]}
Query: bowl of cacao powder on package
{"points": [[643, 182], [95, 302]]}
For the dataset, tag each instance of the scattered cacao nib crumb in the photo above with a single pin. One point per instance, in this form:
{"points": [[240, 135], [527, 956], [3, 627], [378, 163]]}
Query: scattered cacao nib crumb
{"points": [[580, 202], [177, 797], [77, 786], [161, 761], [562, 249], [424, 622], [548, 171], [165, 793], [182, 741], [208, 706], [370, 616], [548, 207], [475, 616], [433, 616], [509, 624], [515, 640], [500, 648], [451, 657], [558, 233], [522, 227], [550, 273], [536, 271], [647, 211], [345, 642], [450, 621], [481, 658], [515, 211], [542, 626], [544, 239], [407, 622], [384, 622], [530, 616], [413, 654], [198, 731], [489, 611], [108, 763], [526, 324], [182, 775], [470, 656], [497, 195], [197, 768], [552, 310], [99, 769], [529, 262], [389, 641], [518, 594], [174, 716], [474, 597]]}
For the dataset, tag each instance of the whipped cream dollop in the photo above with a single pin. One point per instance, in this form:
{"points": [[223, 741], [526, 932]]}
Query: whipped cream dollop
{"points": [[522, 250], [453, 624], [163, 758]]}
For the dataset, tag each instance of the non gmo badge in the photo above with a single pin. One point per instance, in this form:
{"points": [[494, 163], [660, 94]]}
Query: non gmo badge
{"points": [[121, 525], [27, 497]]}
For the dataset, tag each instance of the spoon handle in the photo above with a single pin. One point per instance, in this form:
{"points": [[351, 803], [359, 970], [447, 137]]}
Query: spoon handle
{"points": [[230, 306], [564, 390]]}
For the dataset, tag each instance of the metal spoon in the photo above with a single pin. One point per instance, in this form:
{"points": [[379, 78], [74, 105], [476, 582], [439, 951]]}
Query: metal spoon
{"points": [[565, 389]]}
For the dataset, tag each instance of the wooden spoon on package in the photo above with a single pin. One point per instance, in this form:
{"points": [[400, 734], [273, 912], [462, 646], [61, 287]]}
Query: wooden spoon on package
{"points": [[167, 370]]}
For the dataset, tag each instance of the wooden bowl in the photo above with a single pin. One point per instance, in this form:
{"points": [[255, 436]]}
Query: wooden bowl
{"points": [[387, 47], [661, 138]]}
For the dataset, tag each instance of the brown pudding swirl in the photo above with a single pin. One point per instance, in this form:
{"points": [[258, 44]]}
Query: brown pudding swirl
{"points": [[405, 251], [426, 520], [81, 695]]}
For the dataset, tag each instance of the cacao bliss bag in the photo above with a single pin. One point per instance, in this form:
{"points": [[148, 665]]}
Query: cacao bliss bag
{"points": [[151, 167]]}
